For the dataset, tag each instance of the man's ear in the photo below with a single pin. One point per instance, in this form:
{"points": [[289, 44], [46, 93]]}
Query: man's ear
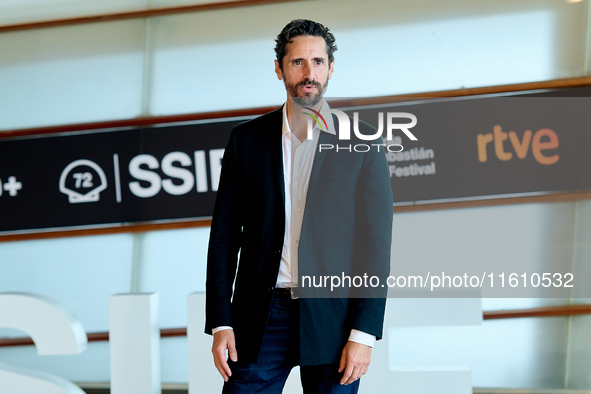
{"points": [[278, 71], [331, 70]]}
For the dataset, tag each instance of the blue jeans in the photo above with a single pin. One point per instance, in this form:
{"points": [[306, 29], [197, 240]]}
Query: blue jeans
{"points": [[279, 354]]}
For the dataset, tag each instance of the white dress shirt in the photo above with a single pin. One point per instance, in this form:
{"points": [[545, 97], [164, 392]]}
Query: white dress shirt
{"points": [[298, 158]]}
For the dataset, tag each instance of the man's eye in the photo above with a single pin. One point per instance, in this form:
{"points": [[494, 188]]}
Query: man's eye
{"points": [[297, 62], [319, 62]]}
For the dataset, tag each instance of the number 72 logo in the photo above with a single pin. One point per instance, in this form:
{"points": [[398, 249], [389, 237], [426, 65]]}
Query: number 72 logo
{"points": [[79, 184]]}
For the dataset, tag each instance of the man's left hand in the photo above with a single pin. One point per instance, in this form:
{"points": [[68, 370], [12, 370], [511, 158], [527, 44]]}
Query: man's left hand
{"points": [[355, 360]]}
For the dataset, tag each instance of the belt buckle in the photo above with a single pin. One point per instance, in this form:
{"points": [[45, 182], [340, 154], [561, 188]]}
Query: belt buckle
{"points": [[295, 293]]}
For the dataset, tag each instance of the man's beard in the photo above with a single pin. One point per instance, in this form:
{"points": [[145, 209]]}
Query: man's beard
{"points": [[310, 99]]}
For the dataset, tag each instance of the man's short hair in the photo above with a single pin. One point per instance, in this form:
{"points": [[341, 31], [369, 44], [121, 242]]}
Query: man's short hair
{"points": [[303, 27]]}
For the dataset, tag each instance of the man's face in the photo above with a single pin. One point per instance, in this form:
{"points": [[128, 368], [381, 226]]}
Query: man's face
{"points": [[305, 70]]}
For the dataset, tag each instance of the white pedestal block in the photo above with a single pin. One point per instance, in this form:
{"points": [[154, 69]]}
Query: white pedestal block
{"points": [[135, 344]]}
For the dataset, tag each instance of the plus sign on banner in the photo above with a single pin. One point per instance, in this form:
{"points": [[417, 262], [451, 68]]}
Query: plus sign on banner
{"points": [[12, 186]]}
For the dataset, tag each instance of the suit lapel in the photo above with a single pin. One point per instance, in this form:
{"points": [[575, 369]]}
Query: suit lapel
{"points": [[325, 138], [277, 150]]}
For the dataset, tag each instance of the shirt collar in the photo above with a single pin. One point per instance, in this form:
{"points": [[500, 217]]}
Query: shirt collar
{"points": [[327, 117]]}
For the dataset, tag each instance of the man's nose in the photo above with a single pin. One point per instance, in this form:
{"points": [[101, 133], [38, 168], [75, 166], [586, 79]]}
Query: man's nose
{"points": [[308, 72]]}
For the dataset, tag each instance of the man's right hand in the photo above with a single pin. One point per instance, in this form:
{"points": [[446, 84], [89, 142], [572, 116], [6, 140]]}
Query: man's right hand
{"points": [[223, 340]]}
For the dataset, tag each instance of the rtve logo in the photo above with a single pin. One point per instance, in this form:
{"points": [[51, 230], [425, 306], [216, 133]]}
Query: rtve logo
{"points": [[521, 147]]}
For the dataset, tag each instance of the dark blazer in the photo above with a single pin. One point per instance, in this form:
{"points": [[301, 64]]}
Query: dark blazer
{"points": [[347, 228]]}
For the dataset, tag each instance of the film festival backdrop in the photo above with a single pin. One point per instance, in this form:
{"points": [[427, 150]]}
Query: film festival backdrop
{"points": [[465, 148]]}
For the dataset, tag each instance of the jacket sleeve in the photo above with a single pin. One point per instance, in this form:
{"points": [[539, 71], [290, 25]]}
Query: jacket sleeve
{"points": [[224, 241], [372, 256]]}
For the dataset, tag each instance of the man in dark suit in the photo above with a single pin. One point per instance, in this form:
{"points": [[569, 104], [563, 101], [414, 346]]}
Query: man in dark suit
{"points": [[292, 211]]}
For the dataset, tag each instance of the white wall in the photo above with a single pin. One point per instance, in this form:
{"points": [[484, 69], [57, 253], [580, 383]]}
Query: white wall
{"points": [[223, 59]]}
